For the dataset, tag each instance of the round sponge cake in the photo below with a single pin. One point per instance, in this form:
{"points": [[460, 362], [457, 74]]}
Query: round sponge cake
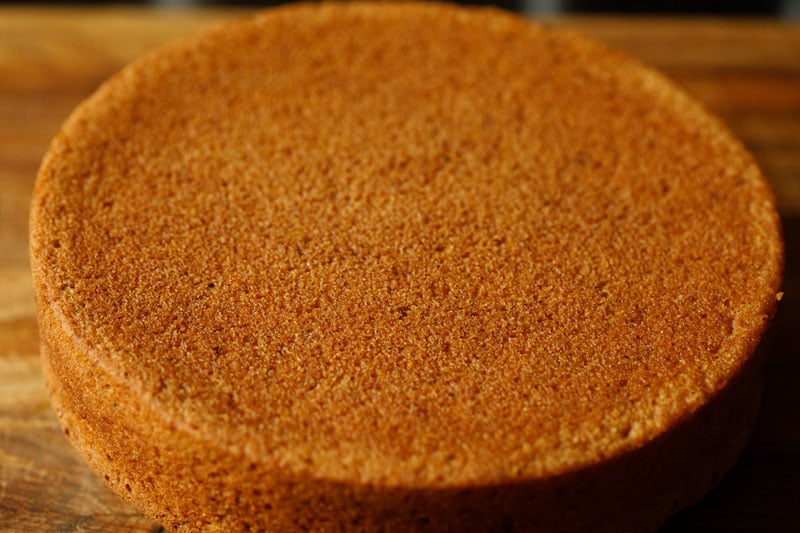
{"points": [[398, 267]]}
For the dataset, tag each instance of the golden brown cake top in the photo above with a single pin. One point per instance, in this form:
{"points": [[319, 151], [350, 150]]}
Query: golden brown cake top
{"points": [[406, 244]]}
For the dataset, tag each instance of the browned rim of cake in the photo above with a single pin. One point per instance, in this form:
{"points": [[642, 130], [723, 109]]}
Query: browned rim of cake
{"points": [[345, 248]]}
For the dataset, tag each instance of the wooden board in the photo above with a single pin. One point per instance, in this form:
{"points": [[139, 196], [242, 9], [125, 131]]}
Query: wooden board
{"points": [[746, 71]]}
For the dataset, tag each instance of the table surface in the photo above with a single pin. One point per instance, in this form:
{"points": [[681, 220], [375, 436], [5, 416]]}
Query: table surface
{"points": [[746, 71]]}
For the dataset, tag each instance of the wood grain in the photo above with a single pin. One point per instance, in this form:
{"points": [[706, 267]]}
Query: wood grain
{"points": [[746, 71]]}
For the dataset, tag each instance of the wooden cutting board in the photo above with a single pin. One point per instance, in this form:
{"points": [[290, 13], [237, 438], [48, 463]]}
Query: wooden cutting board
{"points": [[748, 72]]}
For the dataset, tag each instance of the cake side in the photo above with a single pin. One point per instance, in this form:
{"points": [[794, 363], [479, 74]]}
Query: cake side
{"points": [[190, 484]]}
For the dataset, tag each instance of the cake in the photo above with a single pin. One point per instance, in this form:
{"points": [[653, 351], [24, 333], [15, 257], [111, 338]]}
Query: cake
{"points": [[381, 266]]}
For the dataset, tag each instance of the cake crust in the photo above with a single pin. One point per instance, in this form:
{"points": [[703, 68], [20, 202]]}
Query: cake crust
{"points": [[321, 269]]}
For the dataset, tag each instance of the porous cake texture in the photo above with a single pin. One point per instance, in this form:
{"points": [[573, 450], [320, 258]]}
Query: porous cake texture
{"points": [[380, 266]]}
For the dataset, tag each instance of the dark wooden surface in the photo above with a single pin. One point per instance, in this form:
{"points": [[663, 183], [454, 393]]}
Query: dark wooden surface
{"points": [[746, 71]]}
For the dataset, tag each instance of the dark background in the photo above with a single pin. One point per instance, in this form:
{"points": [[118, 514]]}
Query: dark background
{"points": [[767, 8]]}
